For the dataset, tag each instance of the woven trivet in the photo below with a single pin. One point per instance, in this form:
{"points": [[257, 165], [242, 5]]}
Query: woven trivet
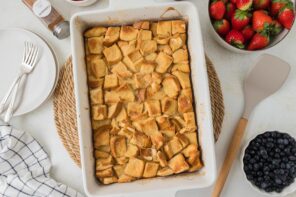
{"points": [[65, 111]]}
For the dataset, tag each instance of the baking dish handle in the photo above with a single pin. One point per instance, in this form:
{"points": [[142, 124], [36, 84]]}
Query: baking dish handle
{"points": [[119, 4]]}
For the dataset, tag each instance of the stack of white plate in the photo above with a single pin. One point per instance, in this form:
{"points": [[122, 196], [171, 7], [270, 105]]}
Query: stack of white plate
{"points": [[40, 84]]}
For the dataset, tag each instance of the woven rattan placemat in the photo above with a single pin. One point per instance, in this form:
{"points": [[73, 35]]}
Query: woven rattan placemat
{"points": [[65, 111]]}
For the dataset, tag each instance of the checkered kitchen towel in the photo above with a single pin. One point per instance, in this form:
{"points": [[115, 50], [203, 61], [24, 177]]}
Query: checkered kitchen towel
{"points": [[25, 166]]}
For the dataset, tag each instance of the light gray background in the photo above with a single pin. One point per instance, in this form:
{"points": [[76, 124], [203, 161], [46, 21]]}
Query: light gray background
{"points": [[276, 113]]}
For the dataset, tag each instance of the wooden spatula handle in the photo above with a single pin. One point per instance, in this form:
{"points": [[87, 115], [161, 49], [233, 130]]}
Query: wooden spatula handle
{"points": [[230, 156]]}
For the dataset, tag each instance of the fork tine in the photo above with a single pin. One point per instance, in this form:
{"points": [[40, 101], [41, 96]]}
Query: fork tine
{"points": [[30, 54], [25, 52], [35, 57]]}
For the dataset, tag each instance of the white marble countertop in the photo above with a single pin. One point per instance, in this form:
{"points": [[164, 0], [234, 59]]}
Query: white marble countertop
{"points": [[276, 113]]}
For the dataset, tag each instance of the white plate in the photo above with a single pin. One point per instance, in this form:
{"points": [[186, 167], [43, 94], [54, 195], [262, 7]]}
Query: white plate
{"points": [[40, 83]]}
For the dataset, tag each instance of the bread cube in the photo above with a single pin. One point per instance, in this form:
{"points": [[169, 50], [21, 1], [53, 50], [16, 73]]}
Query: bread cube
{"points": [[178, 26], [121, 70], [104, 173], [127, 47], [153, 107], [125, 93], [118, 146], [135, 168], [132, 151], [166, 49], [103, 164], [128, 33], [183, 67], [156, 77], [95, 32], [142, 80], [163, 62], [162, 159], [112, 54], [108, 180], [95, 45], [102, 138], [173, 147], [134, 109], [188, 93], [145, 35], [169, 106], [122, 115], [151, 57], [169, 132], [111, 97], [162, 40], [111, 81], [99, 112], [183, 78], [176, 43], [181, 55], [154, 28], [149, 126], [96, 67], [121, 160], [112, 35], [166, 171], [189, 118], [148, 46], [119, 170], [151, 94], [105, 148], [184, 104], [148, 153], [163, 122], [135, 56], [125, 179], [95, 83], [147, 68], [157, 140], [101, 154], [150, 170], [141, 140], [171, 86], [192, 137], [164, 28], [114, 109], [190, 150], [126, 133], [182, 139], [178, 164], [142, 25], [140, 95], [197, 165], [96, 96]]}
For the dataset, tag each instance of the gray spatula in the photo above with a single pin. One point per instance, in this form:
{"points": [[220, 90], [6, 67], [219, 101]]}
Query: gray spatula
{"points": [[264, 79]]}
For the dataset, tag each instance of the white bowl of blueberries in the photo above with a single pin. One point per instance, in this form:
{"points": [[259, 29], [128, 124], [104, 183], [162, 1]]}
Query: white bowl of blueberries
{"points": [[269, 163]]}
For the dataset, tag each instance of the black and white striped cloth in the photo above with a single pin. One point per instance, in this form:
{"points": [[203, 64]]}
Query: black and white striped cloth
{"points": [[25, 166]]}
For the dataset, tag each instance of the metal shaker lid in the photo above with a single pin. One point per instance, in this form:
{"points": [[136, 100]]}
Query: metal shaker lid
{"points": [[62, 30]]}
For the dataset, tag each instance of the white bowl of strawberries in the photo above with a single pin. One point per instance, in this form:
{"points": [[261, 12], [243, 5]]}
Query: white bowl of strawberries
{"points": [[250, 25]]}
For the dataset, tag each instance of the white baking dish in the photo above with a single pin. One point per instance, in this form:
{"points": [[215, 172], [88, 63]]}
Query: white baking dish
{"points": [[125, 12]]}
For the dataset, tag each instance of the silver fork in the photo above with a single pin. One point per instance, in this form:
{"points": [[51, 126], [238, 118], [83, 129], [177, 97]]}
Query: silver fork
{"points": [[29, 60]]}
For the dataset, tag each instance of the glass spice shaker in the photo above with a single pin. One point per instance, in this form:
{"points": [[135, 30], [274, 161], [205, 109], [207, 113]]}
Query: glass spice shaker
{"points": [[50, 17]]}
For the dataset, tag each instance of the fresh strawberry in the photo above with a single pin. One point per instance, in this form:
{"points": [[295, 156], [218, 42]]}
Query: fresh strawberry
{"points": [[217, 10], [276, 28], [287, 16], [222, 27], [248, 32], [235, 38], [233, 1], [261, 4], [259, 41], [261, 20], [277, 5], [230, 9], [240, 19], [244, 4]]}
